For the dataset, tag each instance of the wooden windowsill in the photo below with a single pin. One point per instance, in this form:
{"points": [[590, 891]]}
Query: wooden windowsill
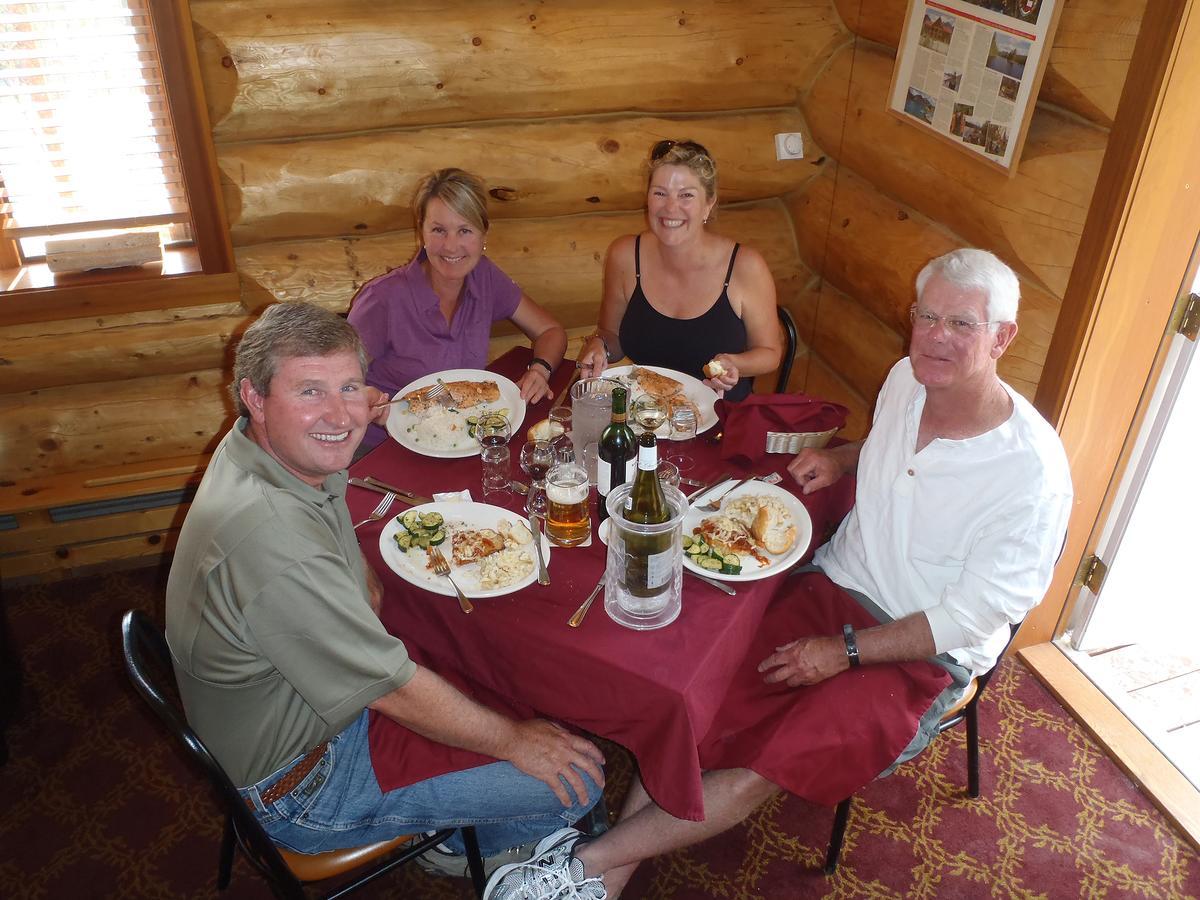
{"points": [[185, 261], [1164, 784]]}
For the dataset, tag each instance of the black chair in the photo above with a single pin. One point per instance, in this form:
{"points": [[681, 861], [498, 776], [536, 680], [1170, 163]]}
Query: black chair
{"points": [[791, 339], [965, 710], [148, 662]]}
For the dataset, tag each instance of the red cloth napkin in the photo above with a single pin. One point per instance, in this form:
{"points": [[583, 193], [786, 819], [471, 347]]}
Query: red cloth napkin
{"points": [[747, 422]]}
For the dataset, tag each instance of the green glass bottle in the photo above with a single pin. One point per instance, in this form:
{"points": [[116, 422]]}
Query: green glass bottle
{"points": [[617, 449], [648, 567]]}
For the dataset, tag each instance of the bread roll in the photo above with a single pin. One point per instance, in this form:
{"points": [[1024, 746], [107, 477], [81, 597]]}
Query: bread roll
{"points": [[544, 430], [772, 528], [714, 369]]}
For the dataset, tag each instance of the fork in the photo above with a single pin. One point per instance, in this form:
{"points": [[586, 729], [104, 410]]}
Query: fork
{"points": [[715, 503], [439, 393], [379, 511], [441, 567]]}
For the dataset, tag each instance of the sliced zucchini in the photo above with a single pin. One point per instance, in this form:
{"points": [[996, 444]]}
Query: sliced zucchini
{"points": [[707, 562], [687, 541], [432, 520], [732, 559], [411, 520], [403, 539], [728, 568], [437, 537]]}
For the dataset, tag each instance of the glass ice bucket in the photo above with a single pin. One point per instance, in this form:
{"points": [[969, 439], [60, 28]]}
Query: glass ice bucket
{"points": [[644, 576]]}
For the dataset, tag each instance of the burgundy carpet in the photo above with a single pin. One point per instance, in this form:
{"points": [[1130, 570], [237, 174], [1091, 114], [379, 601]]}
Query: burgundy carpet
{"points": [[95, 802]]}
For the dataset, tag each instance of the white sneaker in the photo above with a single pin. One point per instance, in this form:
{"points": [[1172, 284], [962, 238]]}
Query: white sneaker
{"points": [[552, 873]]}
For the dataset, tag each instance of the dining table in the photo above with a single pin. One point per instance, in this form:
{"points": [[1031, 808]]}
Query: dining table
{"points": [[654, 692]]}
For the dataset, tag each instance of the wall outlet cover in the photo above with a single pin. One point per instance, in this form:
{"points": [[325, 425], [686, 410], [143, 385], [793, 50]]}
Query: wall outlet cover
{"points": [[789, 146]]}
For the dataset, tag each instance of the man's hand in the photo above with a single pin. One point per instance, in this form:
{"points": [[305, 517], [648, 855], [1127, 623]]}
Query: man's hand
{"points": [[806, 661], [815, 469], [377, 403], [549, 752]]}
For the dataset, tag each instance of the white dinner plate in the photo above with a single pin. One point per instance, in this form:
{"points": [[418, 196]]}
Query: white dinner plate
{"points": [[698, 392], [411, 565], [406, 428], [752, 570]]}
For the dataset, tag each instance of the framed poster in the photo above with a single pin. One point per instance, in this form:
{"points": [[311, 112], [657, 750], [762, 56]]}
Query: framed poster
{"points": [[969, 71]]}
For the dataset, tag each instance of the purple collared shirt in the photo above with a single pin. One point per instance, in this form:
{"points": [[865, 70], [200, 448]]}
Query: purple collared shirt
{"points": [[401, 325], [398, 318]]}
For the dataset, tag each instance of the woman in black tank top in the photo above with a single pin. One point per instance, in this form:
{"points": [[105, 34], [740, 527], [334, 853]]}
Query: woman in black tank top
{"points": [[680, 296]]}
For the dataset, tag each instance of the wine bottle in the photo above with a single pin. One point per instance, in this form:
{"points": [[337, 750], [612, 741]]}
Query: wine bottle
{"points": [[647, 556], [616, 449]]}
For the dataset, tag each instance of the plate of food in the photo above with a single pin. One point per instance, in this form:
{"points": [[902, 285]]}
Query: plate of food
{"points": [[759, 531], [671, 387], [434, 429], [489, 549]]}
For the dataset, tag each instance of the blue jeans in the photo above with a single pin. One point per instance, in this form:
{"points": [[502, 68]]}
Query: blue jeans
{"points": [[339, 803]]}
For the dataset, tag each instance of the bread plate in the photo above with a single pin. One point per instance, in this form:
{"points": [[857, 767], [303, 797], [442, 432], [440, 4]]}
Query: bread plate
{"points": [[752, 570], [695, 390], [411, 430], [411, 565]]}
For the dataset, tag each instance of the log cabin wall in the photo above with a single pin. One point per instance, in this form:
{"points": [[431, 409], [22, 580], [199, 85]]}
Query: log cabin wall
{"points": [[325, 114]]}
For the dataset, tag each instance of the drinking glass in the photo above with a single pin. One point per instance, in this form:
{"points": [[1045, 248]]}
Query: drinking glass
{"points": [[536, 459], [648, 413], [567, 521], [492, 432], [560, 431], [683, 429], [668, 473]]}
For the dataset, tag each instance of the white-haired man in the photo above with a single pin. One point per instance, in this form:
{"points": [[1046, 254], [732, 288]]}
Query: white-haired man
{"points": [[961, 506]]}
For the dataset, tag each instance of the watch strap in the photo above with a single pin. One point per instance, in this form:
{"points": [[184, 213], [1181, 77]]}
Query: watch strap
{"points": [[541, 362], [851, 640]]}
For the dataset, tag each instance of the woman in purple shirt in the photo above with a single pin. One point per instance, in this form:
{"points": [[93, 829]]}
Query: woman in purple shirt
{"points": [[436, 312]]}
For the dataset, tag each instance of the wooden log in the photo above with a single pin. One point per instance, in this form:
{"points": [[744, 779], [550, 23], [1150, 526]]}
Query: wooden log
{"points": [[855, 344], [69, 428], [294, 67], [872, 248], [820, 380], [1032, 219], [73, 561], [558, 262], [106, 353], [364, 184], [1088, 60]]}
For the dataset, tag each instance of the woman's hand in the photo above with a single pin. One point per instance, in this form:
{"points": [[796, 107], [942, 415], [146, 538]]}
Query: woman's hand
{"points": [[593, 358], [534, 384], [378, 404], [728, 377]]}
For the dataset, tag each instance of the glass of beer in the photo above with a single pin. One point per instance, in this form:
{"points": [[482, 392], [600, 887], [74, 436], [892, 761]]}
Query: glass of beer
{"points": [[567, 520]]}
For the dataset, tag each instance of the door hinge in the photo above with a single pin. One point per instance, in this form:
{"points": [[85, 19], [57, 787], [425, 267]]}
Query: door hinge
{"points": [[1189, 322], [1092, 572]]}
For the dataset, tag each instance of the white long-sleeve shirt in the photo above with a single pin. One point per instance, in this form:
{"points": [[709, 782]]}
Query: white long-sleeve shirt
{"points": [[965, 531]]}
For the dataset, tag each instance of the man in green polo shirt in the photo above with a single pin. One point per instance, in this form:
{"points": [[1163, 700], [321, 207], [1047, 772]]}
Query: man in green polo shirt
{"points": [[278, 649]]}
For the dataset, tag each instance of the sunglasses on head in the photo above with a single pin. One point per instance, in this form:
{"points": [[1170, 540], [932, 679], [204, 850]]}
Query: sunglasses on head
{"points": [[660, 149]]}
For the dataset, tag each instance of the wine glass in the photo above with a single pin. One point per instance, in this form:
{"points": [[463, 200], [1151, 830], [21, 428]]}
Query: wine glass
{"points": [[683, 428], [536, 459], [648, 413], [560, 431], [492, 429]]}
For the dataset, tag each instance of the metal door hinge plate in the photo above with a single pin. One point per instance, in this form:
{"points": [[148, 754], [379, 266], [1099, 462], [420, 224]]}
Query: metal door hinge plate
{"points": [[1092, 572], [1189, 322]]}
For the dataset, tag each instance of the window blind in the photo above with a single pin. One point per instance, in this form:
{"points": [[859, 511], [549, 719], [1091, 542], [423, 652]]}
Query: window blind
{"points": [[85, 134]]}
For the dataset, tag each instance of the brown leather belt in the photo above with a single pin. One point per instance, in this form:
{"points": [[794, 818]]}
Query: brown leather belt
{"points": [[292, 777]]}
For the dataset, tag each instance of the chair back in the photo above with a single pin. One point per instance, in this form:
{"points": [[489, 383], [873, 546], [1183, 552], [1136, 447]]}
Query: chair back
{"points": [[791, 340], [148, 662]]}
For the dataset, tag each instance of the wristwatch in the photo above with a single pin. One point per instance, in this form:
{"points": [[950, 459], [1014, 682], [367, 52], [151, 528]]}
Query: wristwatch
{"points": [[541, 362], [851, 640]]}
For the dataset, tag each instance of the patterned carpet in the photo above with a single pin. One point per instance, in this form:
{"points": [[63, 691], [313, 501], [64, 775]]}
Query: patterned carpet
{"points": [[95, 803]]}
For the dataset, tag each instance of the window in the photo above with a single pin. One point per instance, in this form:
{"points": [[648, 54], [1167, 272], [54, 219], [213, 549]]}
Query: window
{"points": [[86, 141]]}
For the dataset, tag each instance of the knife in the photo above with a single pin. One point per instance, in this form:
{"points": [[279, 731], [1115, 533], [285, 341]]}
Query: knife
{"points": [[414, 499], [708, 487], [719, 585], [358, 482], [543, 575]]}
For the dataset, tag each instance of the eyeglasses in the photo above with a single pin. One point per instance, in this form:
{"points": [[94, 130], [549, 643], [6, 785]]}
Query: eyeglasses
{"points": [[659, 150], [924, 321]]}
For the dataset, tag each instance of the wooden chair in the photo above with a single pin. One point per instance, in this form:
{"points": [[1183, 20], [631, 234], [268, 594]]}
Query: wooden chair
{"points": [[148, 662], [965, 710], [790, 339]]}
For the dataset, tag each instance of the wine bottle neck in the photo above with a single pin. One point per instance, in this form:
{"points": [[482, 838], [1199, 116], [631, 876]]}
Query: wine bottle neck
{"points": [[648, 458]]}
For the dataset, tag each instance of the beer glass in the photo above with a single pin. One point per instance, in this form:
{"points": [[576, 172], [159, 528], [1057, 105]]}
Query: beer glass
{"points": [[567, 520]]}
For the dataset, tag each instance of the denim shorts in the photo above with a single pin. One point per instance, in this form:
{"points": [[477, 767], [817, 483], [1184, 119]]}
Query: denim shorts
{"points": [[339, 803]]}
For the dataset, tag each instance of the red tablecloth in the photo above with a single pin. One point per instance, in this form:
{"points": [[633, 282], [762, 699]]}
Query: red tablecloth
{"points": [[657, 693]]}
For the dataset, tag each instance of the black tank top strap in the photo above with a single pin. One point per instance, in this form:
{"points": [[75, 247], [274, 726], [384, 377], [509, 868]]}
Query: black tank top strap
{"points": [[732, 259], [637, 257]]}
